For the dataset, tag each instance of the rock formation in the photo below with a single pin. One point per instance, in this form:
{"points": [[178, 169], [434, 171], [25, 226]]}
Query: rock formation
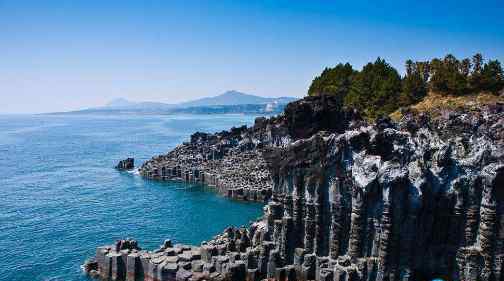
{"points": [[230, 163], [126, 164], [351, 201]]}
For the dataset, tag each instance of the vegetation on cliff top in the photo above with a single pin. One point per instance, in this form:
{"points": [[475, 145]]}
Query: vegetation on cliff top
{"points": [[434, 104], [378, 89]]}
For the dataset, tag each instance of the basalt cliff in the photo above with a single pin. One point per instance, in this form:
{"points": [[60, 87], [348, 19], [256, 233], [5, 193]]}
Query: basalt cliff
{"points": [[346, 200]]}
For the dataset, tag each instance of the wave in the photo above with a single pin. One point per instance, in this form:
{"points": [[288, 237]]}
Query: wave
{"points": [[135, 172]]}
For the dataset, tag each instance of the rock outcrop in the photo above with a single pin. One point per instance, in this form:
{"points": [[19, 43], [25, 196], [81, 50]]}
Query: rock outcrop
{"points": [[414, 200], [228, 162], [126, 164]]}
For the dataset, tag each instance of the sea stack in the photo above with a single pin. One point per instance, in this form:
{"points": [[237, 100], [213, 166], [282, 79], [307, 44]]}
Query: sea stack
{"points": [[126, 164]]}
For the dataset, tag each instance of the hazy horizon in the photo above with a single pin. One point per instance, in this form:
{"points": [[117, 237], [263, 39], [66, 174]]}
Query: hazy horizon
{"points": [[68, 55]]}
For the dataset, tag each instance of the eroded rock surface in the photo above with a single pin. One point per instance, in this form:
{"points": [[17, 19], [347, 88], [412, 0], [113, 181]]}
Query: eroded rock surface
{"points": [[413, 200]]}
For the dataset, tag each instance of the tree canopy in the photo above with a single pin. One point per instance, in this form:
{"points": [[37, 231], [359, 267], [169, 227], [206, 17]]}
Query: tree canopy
{"points": [[379, 89], [333, 81], [375, 89]]}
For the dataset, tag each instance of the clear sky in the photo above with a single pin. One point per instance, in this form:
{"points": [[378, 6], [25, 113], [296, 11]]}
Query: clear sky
{"points": [[65, 55]]}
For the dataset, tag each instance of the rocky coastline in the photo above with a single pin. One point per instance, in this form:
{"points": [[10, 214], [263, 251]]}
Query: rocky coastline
{"points": [[226, 162], [419, 199]]}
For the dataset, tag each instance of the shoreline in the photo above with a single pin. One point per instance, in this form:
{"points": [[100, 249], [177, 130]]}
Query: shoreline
{"points": [[355, 202], [210, 181]]}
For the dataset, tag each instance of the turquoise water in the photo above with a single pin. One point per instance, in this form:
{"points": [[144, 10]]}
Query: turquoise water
{"points": [[60, 196]]}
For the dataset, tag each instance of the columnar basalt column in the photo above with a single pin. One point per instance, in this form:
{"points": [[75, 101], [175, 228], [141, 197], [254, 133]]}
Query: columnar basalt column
{"points": [[277, 233], [334, 250], [287, 243], [134, 269], [487, 239], [274, 262], [105, 267], [207, 252], [345, 206], [385, 242], [487, 231], [299, 210], [298, 217], [473, 212], [298, 260], [118, 266], [308, 267], [250, 258], [405, 251], [275, 212], [335, 218], [309, 241], [457, 220], [322, 217], [318, 244], [244, 241], [357, 223], [237, 271], [456, 231], [288, 205], [264, 254]]}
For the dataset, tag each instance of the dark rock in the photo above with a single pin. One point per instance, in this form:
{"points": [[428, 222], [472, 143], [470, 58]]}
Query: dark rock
{"points": [[127, 244], [90, 265], [126, 164], [310, 115]]}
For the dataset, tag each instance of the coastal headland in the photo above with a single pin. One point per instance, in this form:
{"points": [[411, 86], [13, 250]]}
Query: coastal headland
{"points": [[346, 199]]}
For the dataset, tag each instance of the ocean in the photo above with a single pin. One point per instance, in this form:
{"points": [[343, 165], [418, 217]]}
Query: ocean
{"points": [[60, 196]]}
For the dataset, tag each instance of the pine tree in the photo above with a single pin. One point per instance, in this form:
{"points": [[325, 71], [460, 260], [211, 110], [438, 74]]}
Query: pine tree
{"points": [[333, 81], [477, 63], [492, 77], [447, 78], [424, 69], [376, 89], [414, 85], [465, 67], [409, 67], [476, 79]]}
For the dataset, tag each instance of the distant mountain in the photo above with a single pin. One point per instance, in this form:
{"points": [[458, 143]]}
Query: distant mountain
{"points": [[120, 102], [235, 98], [228, 102]]}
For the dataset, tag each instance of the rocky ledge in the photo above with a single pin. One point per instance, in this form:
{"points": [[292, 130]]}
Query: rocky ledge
{"points": [[414, 200]]}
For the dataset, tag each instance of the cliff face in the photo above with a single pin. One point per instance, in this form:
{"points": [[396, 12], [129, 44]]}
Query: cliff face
{"points": [[235, 162], [409, 201], [349, 201]]}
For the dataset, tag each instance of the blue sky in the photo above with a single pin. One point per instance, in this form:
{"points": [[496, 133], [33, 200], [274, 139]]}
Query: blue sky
{"points": [[64, 55]]}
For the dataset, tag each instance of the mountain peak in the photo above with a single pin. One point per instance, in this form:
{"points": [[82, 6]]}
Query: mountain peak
{"points": [[119, 102], [233, 97], [233, 92]]}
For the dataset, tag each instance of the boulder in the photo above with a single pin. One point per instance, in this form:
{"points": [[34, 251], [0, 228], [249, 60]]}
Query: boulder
{"points": [[126, 164]]}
